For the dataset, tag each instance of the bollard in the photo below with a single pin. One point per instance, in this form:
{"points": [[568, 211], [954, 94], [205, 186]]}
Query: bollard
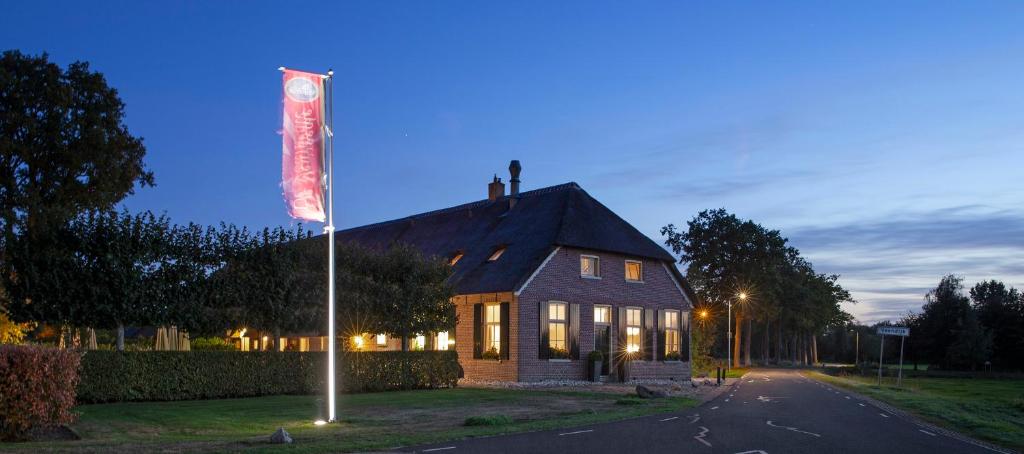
{"points": [[718, 376]]}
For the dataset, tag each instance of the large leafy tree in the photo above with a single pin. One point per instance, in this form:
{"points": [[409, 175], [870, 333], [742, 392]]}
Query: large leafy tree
{"points": [[1001, 310], [64, 150]]}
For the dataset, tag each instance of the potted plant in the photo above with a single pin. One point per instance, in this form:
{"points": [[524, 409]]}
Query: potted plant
{"points": [[596, 360], [673, 356], [492, 354], [558, 353]]}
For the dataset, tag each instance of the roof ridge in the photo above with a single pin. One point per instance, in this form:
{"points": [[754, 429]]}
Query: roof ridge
{"points": [[464, 206]]}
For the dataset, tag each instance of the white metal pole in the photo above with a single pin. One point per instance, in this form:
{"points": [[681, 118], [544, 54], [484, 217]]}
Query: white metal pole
{"points": [[728, 337], [881, 350], [899, 379], [329, 230]]}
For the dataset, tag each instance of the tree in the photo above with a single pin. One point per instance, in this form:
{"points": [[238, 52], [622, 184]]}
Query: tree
{"points": [[1001, 312], [942, 319], [416, 296], [64, 150], [972, 345]]}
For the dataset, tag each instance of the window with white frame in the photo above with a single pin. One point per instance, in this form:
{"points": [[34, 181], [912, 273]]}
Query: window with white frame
{"points": [[634, 271], [633, 321], [590, 266], [442, 341], [382, 340], [557, 326], [671, 334], [492, 319], [602, 315]]}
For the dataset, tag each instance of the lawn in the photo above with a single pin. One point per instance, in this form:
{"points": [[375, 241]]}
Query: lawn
{"points": [[986, 409], [367, 421]]}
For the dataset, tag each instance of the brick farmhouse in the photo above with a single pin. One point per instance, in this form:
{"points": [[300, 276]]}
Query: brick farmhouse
{"points": [[543, 278]]}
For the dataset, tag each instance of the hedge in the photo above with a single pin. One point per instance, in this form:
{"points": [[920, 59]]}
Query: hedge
{"points": [[111, 376], [36, 389]]}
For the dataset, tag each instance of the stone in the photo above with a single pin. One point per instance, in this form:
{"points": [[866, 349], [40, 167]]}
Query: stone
{"points": [[281, 437], [648, 393]]}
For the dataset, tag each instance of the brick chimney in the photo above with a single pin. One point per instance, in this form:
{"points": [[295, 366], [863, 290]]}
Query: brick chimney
{"points": [[496, 189]]}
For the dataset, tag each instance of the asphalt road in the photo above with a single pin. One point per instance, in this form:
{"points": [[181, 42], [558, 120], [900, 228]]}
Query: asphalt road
{"points": [[765, 412]]}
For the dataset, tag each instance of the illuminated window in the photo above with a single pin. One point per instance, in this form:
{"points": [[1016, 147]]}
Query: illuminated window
{"points": [[455, 259], [493, 332], [382, 340], [357, 342], [497, 254], [590, 266], [420, 343], [602, 314], [442, 340], [633, 316], [672, 333], [557, 326], [634, 271]]}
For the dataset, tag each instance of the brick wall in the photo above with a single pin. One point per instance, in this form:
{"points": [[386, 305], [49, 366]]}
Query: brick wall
{"points": [[484, 369], [560, 280]]}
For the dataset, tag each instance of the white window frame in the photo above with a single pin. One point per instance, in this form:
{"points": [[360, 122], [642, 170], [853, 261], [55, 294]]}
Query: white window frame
{"points": [[555, 322], [634, 329], [597, 266], [492, 333], [677, 330], [608, 313], [625, 271]]}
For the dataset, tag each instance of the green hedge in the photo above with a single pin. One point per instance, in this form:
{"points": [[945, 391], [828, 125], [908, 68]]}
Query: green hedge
{"points": [[111, 376]]}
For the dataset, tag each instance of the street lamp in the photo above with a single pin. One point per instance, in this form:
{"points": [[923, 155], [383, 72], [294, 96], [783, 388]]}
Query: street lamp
{"points": [[856, 349], [728, 337]]}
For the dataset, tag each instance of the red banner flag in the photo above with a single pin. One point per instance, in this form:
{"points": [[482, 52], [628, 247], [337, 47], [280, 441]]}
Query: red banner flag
{"points": [[303, 145]]}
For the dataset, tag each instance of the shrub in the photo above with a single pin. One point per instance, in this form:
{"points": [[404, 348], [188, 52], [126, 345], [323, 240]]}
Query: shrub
{"points": [[110, 376], [673, 356], [595, 356], [37, 388], [491, 353], [492, 420], [558, 353], [212, 344]]}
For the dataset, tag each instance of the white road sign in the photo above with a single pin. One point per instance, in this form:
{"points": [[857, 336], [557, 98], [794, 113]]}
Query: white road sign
{"points": [[893, 331]]}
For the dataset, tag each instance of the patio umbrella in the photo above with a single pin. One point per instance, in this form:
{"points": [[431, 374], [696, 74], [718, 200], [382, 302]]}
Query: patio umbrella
{"points": [[183, 343], [161, 339], [172, 338], [90, 343]]}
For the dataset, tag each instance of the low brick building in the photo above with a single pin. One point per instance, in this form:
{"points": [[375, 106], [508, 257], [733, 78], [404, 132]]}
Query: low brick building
{"points": [[545, 277]]}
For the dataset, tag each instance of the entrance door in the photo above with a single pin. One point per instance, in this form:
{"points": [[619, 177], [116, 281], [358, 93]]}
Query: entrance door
{"points": [[603, 344]]}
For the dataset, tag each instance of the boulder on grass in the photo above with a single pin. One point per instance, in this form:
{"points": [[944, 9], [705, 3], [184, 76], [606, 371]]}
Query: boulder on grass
{"points": [[648, 393], [281, 436]]}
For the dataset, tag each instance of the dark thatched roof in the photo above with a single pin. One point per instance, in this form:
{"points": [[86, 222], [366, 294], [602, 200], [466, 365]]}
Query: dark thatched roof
{"points": [[539, 221]]}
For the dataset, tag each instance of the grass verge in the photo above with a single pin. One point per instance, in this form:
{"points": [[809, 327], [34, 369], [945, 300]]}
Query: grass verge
{"points": [[980, 408], [367, 422]]}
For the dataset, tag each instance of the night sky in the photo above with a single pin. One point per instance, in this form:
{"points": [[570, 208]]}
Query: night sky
{"points": [[886, 141]]}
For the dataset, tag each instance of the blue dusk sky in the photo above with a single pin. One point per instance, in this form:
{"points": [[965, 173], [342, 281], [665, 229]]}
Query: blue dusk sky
{"points": [[885, 139]]}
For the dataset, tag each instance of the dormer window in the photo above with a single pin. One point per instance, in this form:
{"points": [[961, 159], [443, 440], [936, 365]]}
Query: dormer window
{"points": [[590, 266], [455, 259], [497, 254]]}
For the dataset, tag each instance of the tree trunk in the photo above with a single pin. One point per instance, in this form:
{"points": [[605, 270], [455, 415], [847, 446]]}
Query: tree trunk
{"points": [[746, 341], [405, 342], [814, 349], [766, 352], [736, 341], [120, 337], [796, 348], [277, 339], [778, 341]]}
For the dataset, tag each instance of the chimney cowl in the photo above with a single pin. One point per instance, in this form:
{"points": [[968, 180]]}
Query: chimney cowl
{"points": [[513, 169]]}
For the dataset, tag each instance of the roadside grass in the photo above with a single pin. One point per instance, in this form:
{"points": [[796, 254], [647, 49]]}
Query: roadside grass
{"points": [[991, 410], [736, 372], [367, 422]]}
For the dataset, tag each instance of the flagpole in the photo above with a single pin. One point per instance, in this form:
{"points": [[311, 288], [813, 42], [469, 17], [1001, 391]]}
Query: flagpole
{"points": [[329, 229]]}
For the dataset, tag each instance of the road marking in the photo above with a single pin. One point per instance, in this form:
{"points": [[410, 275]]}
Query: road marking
{"points": [[847, 397], [700, 437], [714, 408], [925, 432], [752, 452], [767, 398], [794, 429], [669, 419], [695, 418], [726, 400], [439, 449], [577, 432], [883, 415], [862, 405]]}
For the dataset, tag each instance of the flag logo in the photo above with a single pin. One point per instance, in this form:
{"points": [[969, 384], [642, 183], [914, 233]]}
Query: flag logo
{"points": [[301, 89]]}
